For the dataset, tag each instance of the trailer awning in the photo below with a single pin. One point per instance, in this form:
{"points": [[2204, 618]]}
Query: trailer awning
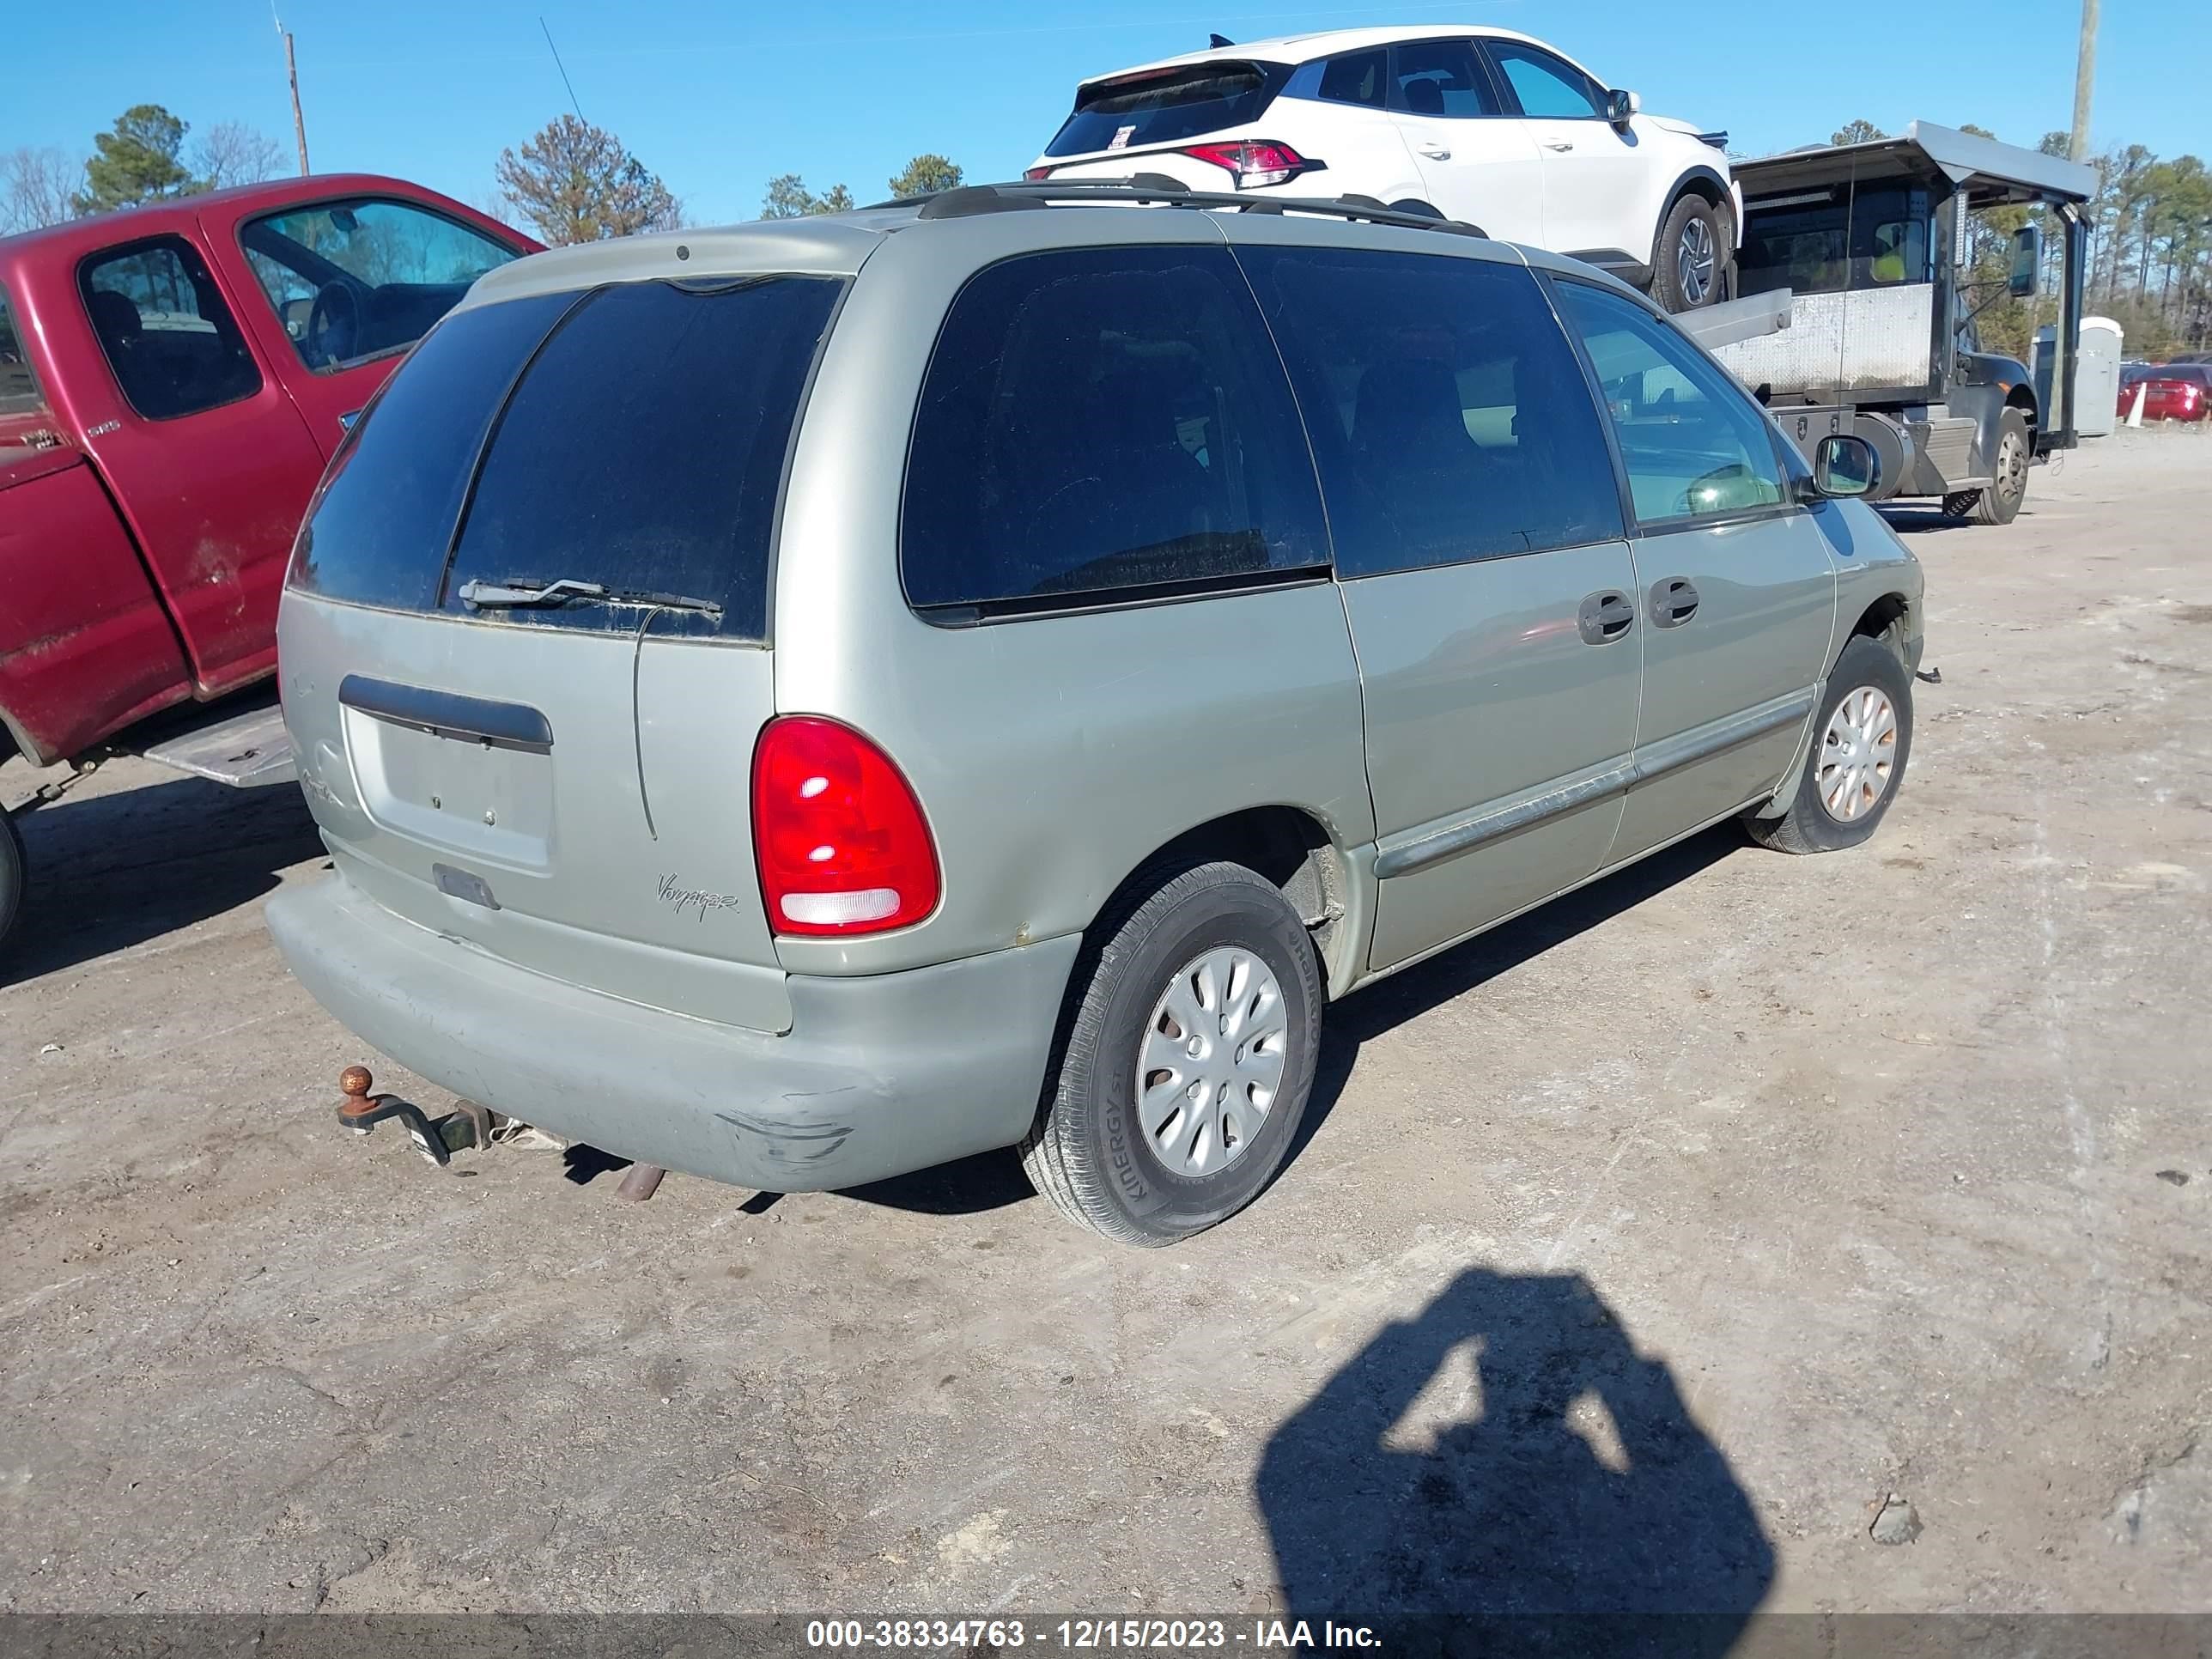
{"points": [[1991, 173]]}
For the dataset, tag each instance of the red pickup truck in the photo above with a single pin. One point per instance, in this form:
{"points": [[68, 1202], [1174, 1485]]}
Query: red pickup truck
{"points": [[173, 379]]}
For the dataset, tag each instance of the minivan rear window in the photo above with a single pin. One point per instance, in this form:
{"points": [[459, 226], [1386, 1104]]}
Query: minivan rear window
{"points": [[644, 452], [378, 529], [1143, 111], [632, 437]]}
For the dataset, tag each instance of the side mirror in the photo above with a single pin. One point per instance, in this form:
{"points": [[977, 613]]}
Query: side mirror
{"points": [[1844, 466], [2027, 262], [1619, 106]]}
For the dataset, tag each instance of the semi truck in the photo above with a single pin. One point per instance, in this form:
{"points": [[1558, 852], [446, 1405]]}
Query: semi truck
{"points": [[1869, 241]]}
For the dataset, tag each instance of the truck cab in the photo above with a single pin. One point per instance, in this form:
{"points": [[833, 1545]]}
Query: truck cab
{"points": [[1869, 240], [173, 379]]}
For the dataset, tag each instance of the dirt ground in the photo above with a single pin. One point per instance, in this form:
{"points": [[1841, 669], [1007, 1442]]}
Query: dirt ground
{"points": [[1640, 1250]]}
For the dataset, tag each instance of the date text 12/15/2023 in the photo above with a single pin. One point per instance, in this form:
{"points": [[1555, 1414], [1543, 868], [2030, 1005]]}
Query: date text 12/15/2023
{"points": [[1088, 1635]]}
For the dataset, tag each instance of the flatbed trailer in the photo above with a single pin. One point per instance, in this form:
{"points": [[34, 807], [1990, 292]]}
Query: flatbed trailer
{"points": [[1870, 241]]}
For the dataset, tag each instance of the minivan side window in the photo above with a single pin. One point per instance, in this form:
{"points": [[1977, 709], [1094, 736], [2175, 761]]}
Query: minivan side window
{"points": [[1441, 77], [1692, 444], [1447, 414], [1547, 87], [1099, 422], [165, 330]]}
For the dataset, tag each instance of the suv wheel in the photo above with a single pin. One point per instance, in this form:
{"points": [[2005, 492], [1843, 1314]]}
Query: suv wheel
{"points": [[1187, 1063], [1691, 261], [11, 875], [1999, 503], [1861, 739]]}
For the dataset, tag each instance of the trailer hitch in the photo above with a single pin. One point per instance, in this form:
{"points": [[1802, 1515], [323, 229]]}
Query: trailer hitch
{"points": [[436, 1137]]}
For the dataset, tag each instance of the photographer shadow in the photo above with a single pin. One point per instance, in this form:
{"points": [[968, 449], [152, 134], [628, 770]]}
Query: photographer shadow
{"points": [[1550, 1493]]}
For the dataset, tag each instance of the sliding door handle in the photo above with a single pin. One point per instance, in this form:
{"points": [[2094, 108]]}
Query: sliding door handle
{"points": [[1674, 602], [1604, 616]]}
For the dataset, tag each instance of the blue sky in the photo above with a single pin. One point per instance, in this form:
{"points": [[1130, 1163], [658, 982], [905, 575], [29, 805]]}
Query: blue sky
{"points": [[718, 98]]}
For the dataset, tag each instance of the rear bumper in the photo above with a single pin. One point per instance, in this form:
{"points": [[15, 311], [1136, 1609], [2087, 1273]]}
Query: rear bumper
{"points": [[878, 1076]]}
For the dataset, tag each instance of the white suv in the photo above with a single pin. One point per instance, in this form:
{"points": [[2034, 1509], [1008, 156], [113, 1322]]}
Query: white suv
{"points": [[1482, 125]]}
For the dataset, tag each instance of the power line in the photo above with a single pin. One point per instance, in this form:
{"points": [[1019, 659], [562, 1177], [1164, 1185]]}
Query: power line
{"points": [[563, 68]]}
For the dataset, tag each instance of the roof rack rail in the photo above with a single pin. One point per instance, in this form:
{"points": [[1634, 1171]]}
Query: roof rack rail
{"points": [[1157, 189]]}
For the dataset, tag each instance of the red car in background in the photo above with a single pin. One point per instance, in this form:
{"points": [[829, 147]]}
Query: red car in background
{"points": [[173, 377], [2170, 391]]}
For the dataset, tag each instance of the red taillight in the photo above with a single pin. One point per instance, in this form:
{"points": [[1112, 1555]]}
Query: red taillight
{"points": [[1038, 173], [837, 832], [1257, 162]]}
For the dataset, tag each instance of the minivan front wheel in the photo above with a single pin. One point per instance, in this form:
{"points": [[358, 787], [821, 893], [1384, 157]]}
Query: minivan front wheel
{"points": [[1862, 740], [1187, 1061]]}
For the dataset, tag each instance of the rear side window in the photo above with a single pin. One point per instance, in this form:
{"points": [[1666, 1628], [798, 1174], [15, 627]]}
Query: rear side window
{"points": [[1449, 416], [1165, 107], [165, 330], [356, 279], [643, 452], [1442, 78], [378, 530], [19, 388], [1357, 77], [1099, 421]]}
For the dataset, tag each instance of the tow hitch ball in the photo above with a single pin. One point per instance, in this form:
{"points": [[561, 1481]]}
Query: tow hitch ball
{"points": [[436, 1137]]}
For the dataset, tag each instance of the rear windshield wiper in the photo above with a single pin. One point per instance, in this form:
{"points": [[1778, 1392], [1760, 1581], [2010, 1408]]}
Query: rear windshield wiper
{"points": [[521, 594]]}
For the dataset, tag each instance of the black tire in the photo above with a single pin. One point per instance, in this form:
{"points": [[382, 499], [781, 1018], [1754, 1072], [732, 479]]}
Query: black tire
{"points": [[1809, 826], [1088, 1153], [1673, 275], [2000, 502], [11, 875]]}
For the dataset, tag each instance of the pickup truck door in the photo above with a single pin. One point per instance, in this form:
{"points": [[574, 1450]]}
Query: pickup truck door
{"points": [[335, 291], [207, 459]]}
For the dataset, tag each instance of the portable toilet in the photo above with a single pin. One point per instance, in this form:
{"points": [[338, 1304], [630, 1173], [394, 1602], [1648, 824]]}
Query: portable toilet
{"points": [[2096, 374]]}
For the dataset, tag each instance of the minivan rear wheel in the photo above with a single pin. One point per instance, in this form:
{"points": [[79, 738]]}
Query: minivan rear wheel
{"points": [[1187, 1063]]}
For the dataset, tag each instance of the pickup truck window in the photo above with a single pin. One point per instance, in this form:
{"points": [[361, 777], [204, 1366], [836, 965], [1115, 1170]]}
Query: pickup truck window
{"points": [[357, 279], [175, 347], [18, 389]]}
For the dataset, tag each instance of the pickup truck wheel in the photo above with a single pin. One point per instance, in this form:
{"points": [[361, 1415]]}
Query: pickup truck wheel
{"points": [[1862, 740], [1689, 264], [11, 875], [1187, 1063], [2000, 502]]}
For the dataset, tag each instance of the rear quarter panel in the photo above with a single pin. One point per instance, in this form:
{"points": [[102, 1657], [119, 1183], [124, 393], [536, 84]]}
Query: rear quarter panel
{"points": [[1052, 755]]}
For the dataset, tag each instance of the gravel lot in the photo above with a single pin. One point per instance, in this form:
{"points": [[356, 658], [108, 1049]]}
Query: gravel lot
{"points": [[1642, 1248]]}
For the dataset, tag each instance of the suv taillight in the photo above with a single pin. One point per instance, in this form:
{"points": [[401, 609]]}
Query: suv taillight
{"points": [[837, 832], [1256, 162]]}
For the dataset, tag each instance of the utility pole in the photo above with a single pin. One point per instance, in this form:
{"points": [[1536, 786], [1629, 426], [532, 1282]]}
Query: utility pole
{"points": [[2085, 81], [300, 122]]}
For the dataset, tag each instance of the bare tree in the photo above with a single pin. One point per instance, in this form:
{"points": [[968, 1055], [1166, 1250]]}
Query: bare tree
{"points": [[574, 182], [38, 186], [232, 153]]}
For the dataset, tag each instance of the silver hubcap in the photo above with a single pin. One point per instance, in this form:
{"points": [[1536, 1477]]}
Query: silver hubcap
{"points": [[1858, 754], [2012, 466], [1212, 1061], [1693, 261]]}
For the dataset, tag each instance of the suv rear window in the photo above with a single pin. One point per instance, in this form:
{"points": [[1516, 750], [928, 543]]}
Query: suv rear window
{"points": [[1143, 111], [1097, 422], [636, 440]]}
